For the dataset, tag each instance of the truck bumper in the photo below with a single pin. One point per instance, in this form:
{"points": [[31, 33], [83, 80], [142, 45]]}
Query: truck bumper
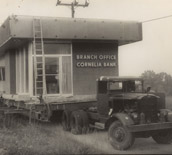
{"points": [[150, 127]]}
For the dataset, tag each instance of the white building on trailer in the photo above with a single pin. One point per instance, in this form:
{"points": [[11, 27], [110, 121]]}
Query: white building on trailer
{"points": [[60, 56]]}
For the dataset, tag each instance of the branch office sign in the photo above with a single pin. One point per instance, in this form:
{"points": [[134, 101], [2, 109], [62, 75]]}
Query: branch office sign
{"points": [[95, 61]]}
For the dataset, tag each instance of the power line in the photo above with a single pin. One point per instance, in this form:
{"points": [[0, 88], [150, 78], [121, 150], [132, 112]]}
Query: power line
{"points": [[150, 20], [73, 5]]}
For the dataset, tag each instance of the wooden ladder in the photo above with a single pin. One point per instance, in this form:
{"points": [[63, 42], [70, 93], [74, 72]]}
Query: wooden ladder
{"points": [[39, 60]]}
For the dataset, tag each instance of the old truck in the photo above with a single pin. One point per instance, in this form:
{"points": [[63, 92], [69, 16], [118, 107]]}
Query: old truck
{"points": [[126, 110], [122, 107]]}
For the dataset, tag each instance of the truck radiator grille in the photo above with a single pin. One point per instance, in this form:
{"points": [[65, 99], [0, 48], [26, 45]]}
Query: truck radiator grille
{"points": [[148, 106]]}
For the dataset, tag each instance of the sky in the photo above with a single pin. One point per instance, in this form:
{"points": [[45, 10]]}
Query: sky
{"points": [[154, 52]]}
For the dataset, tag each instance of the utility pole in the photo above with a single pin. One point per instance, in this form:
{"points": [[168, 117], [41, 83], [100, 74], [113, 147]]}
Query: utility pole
{"points": [[73, 5]]}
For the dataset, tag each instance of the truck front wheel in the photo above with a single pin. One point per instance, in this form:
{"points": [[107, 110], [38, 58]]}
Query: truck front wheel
{"points": [[163, 137], [119, 137]]}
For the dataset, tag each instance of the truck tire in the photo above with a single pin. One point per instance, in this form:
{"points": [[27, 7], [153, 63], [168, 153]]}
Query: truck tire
{"points": [[76, 123], [119, 137], [66, 120], [163, 137], [85, 121]]}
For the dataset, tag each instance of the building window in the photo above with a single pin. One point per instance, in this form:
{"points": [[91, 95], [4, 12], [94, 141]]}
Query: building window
{"points": [[2, 73], [58, 70], [50, 48]]}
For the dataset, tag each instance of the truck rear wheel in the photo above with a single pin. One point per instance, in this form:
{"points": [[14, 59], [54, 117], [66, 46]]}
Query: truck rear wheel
{"points": [[76, 123], [85, 121], [66, 120], [119, 137], [163, 137]]}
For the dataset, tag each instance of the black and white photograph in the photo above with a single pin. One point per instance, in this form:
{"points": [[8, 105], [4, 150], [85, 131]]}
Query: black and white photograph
{"points": [[85, 77]]}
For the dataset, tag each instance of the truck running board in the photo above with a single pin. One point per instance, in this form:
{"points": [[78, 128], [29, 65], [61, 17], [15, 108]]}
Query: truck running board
{"points": [[98, 125]]}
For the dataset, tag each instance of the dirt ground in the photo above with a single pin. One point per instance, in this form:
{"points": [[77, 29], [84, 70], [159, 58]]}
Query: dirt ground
{"points": [[141, 146]]}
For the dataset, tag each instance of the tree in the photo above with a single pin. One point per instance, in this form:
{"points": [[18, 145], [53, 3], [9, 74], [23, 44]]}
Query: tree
{"points": [[160, 82]]}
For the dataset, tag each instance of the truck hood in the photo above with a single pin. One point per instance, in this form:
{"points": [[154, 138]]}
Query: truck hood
{"points": [[130, 96]]}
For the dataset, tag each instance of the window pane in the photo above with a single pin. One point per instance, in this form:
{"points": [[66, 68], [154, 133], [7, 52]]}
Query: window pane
{"points": [[51, 65], [52, 83], [52, 75], [115, 85], [57, 48]]}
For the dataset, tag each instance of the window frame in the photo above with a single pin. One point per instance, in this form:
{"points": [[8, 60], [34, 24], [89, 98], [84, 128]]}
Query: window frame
{"points": [[2, 73]]}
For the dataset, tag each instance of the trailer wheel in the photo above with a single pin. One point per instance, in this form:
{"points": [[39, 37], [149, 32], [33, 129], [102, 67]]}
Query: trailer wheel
{"points": [[85, 121], [163, 137], [119, 137], [66, 120], [76, 123]]}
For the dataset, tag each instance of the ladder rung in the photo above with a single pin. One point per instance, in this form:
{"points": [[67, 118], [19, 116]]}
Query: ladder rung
{"points": [[37, 26], [38, 37], [39, 59], [38, 40], [38, 50], [39, 88], [36, 22], [36, 31], [38, 44], [38, 47]]}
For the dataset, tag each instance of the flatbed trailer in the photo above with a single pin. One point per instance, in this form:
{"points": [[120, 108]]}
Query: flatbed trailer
{"points": [[44, 109]]}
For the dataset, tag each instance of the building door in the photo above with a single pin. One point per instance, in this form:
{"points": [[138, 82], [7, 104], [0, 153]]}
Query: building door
{"points": [[52, 75]]}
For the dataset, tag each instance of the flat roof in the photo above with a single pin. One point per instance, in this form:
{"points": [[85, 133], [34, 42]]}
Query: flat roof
{"points": [[18, 29]]}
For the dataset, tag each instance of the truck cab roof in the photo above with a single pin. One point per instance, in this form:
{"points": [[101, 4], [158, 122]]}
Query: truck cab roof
{"points": [[119, 78]]}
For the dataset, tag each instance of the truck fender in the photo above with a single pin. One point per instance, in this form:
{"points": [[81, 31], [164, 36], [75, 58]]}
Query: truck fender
{"points": [[123, 118]]}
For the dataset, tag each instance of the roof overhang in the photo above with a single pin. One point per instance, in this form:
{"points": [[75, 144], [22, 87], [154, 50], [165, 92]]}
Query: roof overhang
{"points": [[21, 28]]}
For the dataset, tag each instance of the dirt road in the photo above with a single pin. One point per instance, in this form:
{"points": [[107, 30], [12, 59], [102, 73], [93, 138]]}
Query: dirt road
{"points": [[141, 146]]}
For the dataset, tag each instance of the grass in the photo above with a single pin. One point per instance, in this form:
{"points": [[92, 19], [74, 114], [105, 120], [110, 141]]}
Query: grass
{"points": [[39, 139]]}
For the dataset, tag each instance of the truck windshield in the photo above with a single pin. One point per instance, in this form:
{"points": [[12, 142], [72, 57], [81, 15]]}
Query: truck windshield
{"points": [[126, 86]]}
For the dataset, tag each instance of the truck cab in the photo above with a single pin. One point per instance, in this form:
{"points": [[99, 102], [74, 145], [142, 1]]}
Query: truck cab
{"points": [[128, 111], [118, 90]]}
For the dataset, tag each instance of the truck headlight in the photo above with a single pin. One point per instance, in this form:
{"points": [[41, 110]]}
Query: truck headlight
{"points": [[134, 116]]}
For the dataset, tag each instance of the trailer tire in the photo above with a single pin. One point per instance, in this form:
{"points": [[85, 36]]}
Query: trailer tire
{"points": [[76, 123], [85, 121], [66, 120], [119, 137], [163, 137]]}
